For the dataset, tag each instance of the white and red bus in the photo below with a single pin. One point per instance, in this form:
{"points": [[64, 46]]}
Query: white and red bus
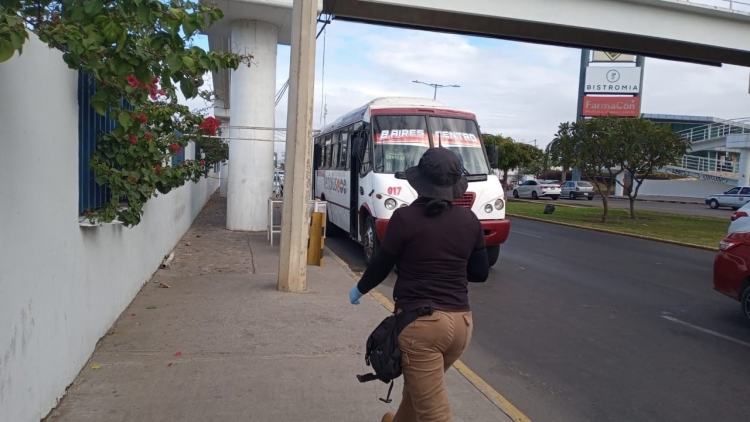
{"points": [[359, 160]]}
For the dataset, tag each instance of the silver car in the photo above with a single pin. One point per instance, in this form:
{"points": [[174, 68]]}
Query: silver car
{"points": [[734, 198], [575, 190]]}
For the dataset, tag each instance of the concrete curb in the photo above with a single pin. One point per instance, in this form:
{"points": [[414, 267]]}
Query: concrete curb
{"points": [[663, 201], [637, 236], [481, 385]]}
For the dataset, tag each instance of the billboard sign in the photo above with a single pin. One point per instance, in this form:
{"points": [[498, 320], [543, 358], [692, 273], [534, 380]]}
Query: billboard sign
{"points": [[615, 106], [613, 80], [611, 56]]}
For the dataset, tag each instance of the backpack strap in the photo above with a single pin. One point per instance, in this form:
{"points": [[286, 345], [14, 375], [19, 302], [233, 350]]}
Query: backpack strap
{"points": [[405, 318]]}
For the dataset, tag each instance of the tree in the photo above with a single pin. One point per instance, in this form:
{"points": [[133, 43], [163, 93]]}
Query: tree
{"points": [[137, 53], [592, 145], [512, 155], [646, 147], [530, 158]]}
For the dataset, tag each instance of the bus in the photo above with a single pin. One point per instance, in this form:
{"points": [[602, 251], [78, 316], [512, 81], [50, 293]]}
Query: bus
{"points": [[360, 159]]}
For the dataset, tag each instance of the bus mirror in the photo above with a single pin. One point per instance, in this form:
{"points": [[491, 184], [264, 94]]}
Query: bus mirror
{"points": [[492, 155]]}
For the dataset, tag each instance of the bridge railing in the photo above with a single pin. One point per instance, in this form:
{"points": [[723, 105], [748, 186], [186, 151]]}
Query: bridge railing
{"points": [[719, 129], [709, 165]]}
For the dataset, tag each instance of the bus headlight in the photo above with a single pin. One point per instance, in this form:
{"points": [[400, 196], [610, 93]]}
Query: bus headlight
{"points": [[499, 204], [390, 204], [488, 208]]}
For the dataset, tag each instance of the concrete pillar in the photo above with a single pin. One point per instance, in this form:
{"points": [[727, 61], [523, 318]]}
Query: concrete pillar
{"points": [[298, 157], [620, 178], [253, 95], [744, 176]]}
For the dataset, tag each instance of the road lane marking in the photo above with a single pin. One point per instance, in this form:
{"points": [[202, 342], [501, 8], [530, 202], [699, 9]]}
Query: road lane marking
{"points": [[492, 395], [526, 234], [707, 331]]}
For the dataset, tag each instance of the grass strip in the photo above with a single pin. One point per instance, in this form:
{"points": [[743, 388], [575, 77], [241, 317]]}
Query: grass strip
{"points": [[683, 229]]}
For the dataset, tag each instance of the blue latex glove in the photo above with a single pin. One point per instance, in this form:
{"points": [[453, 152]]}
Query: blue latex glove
{"points": [[354, 295]]}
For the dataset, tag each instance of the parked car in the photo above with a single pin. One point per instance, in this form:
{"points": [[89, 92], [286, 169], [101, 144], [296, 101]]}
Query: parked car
{"points": [[536, 189], [734, 198], [732, 269], [575, 190], [740, 220]]}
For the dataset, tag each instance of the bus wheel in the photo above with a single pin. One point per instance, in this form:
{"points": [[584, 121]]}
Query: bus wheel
{"points": [[493, 253], [370, 241]]}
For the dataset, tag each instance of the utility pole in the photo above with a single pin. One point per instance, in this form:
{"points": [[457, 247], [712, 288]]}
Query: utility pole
{"points": [[585, 58], [296, 209], [436, 86]]}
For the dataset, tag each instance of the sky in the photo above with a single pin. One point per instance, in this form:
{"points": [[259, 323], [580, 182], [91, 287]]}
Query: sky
{"points": [[516, 89]]}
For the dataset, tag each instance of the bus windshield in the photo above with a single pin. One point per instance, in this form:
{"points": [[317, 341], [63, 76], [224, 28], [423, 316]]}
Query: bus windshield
{"points": [[460, 136], [400, 142]]}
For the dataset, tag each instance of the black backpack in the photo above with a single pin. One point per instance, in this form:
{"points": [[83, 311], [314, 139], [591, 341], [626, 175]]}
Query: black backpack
{"points": [[382, 351]]}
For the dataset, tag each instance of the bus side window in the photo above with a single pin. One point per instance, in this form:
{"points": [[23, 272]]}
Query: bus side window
{"points": [[335, 152], [365, 153], [328, 148], [344, 162]]}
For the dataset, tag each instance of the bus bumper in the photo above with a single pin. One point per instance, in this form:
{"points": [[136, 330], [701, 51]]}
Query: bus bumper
{"points": [[495, 231]]}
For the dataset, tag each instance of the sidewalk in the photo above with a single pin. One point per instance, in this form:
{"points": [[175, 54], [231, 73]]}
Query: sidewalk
{"points": [[222, 344]]}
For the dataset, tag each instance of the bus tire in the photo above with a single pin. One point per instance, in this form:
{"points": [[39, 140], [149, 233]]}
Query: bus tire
{"points": [[493, 253], [370, 240]]}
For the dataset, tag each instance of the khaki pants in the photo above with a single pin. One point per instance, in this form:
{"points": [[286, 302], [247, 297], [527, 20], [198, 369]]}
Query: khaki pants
{"points": [[429, 346]]}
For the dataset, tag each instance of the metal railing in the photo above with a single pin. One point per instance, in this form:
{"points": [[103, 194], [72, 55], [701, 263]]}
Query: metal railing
{"points": [[709, 165], [733, 5], [715, 130]]}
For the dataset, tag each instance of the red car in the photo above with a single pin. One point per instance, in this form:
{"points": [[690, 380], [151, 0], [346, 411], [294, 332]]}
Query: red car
{"points": [[732, 269]]}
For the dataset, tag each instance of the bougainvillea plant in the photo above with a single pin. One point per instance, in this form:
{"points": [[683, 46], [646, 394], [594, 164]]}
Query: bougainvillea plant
{"points": [[139, 53]]}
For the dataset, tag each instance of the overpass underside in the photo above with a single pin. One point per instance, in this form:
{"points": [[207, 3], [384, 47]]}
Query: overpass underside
{"points": [[667, 29]]}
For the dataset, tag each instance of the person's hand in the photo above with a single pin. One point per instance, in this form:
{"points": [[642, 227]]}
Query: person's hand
{"points": [[354, 295]]}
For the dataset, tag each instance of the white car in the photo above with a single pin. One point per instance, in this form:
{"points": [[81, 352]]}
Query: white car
{"points": [[740, 220], [535, 189]]}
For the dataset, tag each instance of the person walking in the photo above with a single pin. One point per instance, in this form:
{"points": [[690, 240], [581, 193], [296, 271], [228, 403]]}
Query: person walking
{"points": [[438, 249]]}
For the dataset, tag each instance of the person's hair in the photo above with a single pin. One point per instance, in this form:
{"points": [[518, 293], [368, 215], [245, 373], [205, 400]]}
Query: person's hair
{"points": [[436, 207]]}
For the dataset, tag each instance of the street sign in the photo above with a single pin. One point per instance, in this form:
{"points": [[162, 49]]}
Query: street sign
{"points": [[616, 106], [611, 56], [612, 80]]}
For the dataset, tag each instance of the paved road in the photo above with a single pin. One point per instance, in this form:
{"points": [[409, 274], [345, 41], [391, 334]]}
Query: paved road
{"points": [[575, 325], [689, 209]]}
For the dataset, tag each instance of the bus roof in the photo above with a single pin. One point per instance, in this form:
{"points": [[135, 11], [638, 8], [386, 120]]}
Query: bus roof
{"points": [[385, 105]]}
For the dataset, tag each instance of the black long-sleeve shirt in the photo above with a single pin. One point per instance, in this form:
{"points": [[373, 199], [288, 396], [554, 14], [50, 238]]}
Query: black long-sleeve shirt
{"points": [[436, 256]]}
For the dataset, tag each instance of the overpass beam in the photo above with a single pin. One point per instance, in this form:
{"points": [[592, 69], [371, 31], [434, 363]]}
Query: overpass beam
{"points": [[250, 177]]}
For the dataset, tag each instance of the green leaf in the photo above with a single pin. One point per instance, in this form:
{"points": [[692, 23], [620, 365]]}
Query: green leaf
{"points": [[92, 6], [6, 50], [17, 39], [112, 31], [143, 73], [188, 88], [189, 27], [125, 120], [189, 62], [122, 41], [174, 62], [100, 106], [120, 159]]}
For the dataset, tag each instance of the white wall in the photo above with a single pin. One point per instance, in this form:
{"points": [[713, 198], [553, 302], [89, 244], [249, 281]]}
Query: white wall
{"points": [[62, 286], [689, 188]]}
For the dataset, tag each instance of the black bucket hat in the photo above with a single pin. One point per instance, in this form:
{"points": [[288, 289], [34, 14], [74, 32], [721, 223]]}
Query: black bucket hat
{"points": [[439, 175]]}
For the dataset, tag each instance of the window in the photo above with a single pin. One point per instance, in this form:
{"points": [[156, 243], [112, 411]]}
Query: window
{"points": [[733, 191], [335, 152], [400, 142], [344, 163], [326, 157], [462, 137], [745, 191], [585, 185], [90, 124]]}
